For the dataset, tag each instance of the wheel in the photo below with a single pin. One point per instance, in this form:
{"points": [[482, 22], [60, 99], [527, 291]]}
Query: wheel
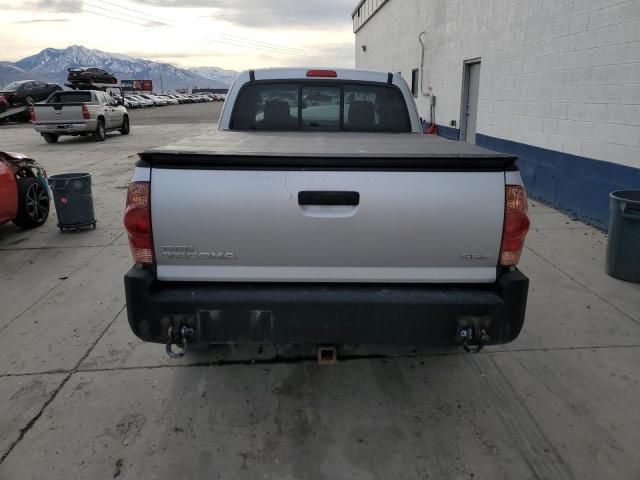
{"points": [[33, 203], [50, 138], [99, 135], [30, 100], [125, 126]]}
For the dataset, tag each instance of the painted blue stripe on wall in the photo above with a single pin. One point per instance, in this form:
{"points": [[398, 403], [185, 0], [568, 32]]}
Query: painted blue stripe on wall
{"points": [[579, 186], [448, 132]]}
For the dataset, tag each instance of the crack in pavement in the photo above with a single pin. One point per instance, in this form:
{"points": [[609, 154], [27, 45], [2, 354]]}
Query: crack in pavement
{"points": [[312, 359], [54, 394], [637, 322]]}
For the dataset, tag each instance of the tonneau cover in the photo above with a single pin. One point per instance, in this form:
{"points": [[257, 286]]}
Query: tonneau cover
{"points": [[329, 149]]}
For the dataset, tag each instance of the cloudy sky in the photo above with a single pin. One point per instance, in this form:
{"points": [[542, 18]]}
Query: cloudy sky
{"points": [[233, 34]]}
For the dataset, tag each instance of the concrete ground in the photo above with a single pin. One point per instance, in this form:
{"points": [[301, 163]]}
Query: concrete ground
{"points": [[81, 397]]}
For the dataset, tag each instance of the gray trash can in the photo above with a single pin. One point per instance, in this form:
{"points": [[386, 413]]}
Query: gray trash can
{"points": [[73, 200], [623, 245]]}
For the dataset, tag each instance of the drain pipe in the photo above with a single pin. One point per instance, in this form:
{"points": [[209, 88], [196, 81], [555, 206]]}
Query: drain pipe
{"points": [[420, 39], [433, 129]]}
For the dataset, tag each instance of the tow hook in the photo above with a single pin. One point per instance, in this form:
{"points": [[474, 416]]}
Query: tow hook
{"points": [[472, 339], [185, 333]]}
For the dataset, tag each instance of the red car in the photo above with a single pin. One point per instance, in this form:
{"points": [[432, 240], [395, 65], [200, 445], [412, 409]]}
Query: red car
{"points": [[24, 191]]}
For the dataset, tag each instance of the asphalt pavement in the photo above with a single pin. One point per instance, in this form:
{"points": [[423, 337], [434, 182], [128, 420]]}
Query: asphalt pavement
{"points": [[81, 397]]}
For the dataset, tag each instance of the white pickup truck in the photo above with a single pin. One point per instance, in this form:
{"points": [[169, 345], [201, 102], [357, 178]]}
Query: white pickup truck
{"points": [[320, 214], [81, 112]]}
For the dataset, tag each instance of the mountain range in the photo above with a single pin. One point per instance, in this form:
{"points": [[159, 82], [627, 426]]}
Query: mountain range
{"points": [[51, 64]]}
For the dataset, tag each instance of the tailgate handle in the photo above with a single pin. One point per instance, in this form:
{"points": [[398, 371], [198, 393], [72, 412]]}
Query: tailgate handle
{"points": [[328, 198]]}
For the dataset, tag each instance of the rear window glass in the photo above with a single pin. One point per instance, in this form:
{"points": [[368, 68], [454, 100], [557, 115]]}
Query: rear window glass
{"points": [[12, 87], [71, 97], [320, 107]]}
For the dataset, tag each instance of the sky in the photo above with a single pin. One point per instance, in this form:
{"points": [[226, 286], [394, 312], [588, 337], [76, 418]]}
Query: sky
{"points": [[232, 34]]}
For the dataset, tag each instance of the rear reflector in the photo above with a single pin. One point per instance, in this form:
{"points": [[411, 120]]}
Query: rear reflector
{"points": [[137, 222], [516, 225], [322, 73]]}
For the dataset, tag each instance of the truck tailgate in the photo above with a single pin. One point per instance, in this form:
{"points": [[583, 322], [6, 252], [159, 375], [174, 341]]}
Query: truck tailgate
{"points": [[234, 225], [57, 113]]}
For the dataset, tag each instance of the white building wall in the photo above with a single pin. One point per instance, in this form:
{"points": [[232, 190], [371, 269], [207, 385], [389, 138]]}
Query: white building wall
{"points": [[557, 74]]}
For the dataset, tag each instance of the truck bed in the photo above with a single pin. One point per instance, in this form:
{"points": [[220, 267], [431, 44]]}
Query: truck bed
{"points": [[325, 149]]}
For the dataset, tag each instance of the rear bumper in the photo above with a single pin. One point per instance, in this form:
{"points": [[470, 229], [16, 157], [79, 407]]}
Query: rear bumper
{"points": [[267, 313], [66, 128]]}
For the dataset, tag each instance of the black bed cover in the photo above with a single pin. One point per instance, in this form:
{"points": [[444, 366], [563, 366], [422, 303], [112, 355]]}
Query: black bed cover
{"points": [[343, 150]]}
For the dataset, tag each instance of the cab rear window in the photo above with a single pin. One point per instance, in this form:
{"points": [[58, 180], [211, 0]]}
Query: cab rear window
{"points": [[326, 106], [71, 97]]}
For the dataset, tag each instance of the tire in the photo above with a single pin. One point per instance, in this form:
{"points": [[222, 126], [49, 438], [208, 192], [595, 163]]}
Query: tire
{"points": [[50, 138], [33, 203], [99, 135], [126, 128]]}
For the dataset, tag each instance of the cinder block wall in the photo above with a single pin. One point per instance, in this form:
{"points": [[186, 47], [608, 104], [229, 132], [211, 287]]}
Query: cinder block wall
{"points": [[558, 76]]}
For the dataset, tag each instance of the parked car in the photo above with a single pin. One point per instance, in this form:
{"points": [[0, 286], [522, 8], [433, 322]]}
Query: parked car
{"points": [[79, 112], [24, 191], [144, 102], [370, 231], [158, 102], [90, 75], [170, 100], [130, 102], [28, 92]]}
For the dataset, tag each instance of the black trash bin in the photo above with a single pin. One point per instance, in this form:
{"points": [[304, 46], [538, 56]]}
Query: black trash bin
{"points": [[623, 245], [73, 200]]}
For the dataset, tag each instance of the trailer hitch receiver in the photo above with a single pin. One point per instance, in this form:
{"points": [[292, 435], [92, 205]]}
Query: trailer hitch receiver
{"points": [[472, 334], [183, 338]]}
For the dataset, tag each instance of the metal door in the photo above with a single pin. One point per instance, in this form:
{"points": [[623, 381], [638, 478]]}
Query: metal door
{"points": [[469, 114]]}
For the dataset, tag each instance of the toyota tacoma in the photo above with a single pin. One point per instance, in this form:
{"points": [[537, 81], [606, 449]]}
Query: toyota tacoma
{"points": [[319, 214]]}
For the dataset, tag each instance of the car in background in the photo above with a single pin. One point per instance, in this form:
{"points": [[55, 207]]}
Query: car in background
{"points": [[125, 101], [28, 92], [144, 102], [90, 75], [131, 103], [24, 191], [158, 102], [170, 100], [79, 112]]}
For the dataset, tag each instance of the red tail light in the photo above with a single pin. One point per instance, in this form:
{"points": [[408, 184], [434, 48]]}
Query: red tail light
{"points": [[32, 114], [322, 73], [137, 222], [516, 225], [85, 112]]}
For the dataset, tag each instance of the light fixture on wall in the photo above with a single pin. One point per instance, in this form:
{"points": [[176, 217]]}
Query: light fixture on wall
{"points": [[364, 48]]}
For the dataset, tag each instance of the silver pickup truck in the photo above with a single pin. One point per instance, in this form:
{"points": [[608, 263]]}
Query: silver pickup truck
{"points": [[80, 112], [320, 214]]}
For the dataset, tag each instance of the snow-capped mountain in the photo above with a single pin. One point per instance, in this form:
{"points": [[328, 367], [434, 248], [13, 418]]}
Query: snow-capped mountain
{"points": [[215, 73], [51, 65]]}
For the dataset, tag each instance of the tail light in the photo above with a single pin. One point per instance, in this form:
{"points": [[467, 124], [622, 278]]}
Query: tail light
{"points": [[85, 112], [137, 222], [516, 225], [32, 114], [322, 73]]}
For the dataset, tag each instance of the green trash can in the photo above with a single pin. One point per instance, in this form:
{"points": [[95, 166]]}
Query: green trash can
{"points": [[73, 200], [623, 245]]}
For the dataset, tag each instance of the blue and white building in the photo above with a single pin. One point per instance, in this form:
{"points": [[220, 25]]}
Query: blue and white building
{"points": [[556, 82]]}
